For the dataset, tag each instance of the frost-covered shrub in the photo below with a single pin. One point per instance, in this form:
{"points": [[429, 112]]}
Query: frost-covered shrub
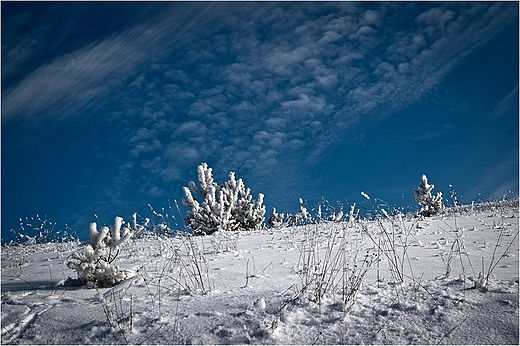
{"points": [[228, 207], [300, 218], [95, 261], [431, 205], [275, 219], [245, 212]]}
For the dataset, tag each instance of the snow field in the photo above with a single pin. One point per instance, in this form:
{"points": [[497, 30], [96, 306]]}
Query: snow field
{"points": [[398, 280]]}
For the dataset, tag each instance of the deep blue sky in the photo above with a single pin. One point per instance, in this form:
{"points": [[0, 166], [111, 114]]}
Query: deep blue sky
{"points": [[107, 107]]}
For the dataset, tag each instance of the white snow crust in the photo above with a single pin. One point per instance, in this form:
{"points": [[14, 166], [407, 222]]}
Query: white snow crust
{"points": [[244, 288]]}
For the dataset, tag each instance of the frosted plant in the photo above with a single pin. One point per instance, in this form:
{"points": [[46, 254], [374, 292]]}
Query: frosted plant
{"points": [[229, 207], [339, 216], [431, 205], [95, 266], [139, 229], [300, 218], [246, 214], [205, 217], [275, 219], [304, 214]]}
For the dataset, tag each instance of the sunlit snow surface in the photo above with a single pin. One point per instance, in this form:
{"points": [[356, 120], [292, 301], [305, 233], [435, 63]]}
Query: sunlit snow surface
{"points": [[248, 288]]}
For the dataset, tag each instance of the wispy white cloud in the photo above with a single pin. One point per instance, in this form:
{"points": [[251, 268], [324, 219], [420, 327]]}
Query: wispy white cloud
{"points": [[72, 81], [502, 172], [510, 102], [250, 83], [87, 75]]}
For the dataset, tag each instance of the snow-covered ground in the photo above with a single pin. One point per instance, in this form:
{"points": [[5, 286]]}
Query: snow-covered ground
{"points": [[394, 281]]}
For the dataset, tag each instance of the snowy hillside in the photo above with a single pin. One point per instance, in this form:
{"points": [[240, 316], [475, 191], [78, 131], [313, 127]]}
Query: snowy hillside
{"points": [[450, 279]]}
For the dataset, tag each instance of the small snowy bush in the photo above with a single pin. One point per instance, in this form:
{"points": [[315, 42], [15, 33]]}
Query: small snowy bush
{"points": [[275, 219], [228, 207], [95, 261], [431, 205], [302, 217]]}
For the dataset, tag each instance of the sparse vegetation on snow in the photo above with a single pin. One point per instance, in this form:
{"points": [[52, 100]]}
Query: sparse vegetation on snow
{"points": [[395, 279]]}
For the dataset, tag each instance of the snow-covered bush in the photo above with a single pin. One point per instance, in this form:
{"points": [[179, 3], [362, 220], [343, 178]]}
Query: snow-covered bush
{"points": [[95, 261], [431, 205], [275, 219], [300, 218], [228, 207]]}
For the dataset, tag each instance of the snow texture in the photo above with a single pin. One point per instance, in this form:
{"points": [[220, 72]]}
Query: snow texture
{"points": [[422, 286]]}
